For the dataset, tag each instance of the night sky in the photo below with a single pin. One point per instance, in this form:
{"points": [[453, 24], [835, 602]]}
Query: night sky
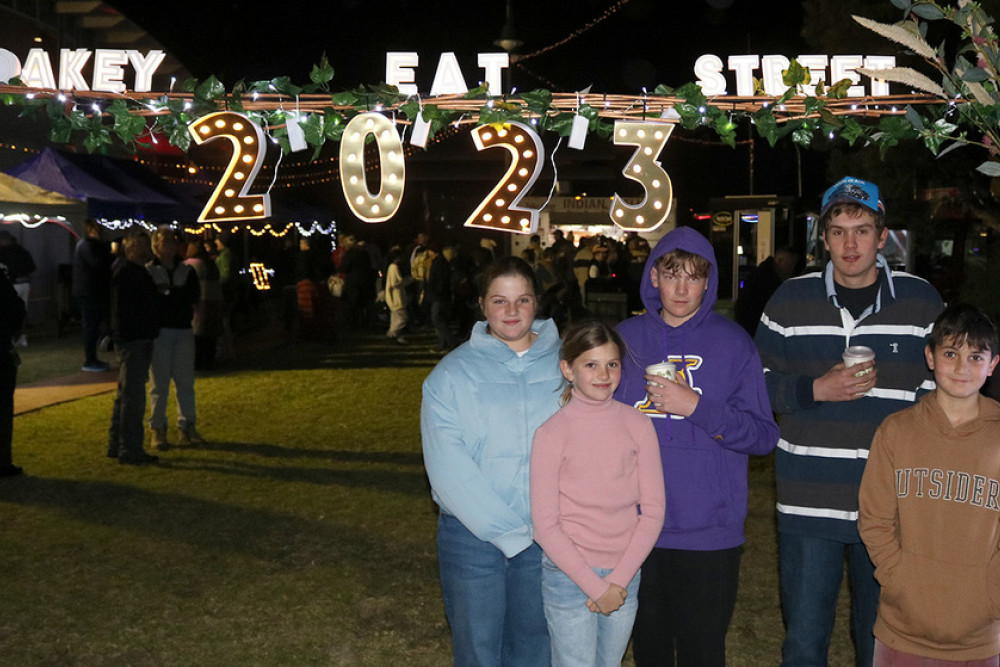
{"points": [[643, 43]]}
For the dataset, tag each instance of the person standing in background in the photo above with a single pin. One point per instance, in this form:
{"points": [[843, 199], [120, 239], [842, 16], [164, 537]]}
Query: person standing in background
{"points": [[177, 291], [12, 312], [134, 327], [92, 290], [207, 322], [20, 265]]}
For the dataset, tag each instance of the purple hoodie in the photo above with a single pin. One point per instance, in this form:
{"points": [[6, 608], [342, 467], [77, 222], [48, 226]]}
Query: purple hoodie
{"points": [[704, 456]]}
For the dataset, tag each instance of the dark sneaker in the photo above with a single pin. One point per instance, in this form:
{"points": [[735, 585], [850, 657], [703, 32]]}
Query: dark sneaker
{"points": [[139, 459], [10, 470], [95, 367]]}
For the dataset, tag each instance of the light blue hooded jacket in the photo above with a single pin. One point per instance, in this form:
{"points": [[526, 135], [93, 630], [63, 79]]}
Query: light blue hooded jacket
{"points": [[481, 406]]}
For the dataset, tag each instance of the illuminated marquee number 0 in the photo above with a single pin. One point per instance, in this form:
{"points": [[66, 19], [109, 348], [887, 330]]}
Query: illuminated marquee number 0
{"points": [[650, 139], [230, 200], [499, 210], [382, 205]]}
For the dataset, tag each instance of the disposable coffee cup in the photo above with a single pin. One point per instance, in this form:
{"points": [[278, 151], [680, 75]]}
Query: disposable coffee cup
{"points": [[664, 369], [857, 354]]}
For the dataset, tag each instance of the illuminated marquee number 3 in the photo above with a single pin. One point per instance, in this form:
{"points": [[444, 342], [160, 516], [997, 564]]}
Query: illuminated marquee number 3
{"points": [[499, 210], [230, 200], [650, 139]]}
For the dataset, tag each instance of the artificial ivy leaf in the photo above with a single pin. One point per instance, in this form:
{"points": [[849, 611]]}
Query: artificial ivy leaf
{"points": [[852, 131], [60, 130], [803, 136], [211, 89], [589, 112], [830, 119], [78, 120], [538, 100], [323, 72], [820, 89], [990, 168], [477, 92], [758, 87], [766, 124], [562, 124], [189, 85], [128, 127], [344, 99], [489, 116], [813, 105], [662, 89], [795, 75], [838, 91]]}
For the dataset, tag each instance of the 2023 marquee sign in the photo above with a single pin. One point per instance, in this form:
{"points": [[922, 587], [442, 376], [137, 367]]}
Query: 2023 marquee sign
{"points": [[499, 210]]}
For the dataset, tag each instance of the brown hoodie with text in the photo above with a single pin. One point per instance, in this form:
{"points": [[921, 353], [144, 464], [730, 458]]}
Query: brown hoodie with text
{"points": [[930, 517]]}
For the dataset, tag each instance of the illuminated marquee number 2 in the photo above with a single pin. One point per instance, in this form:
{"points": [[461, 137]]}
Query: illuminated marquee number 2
{"points": [[499, 210], [230, 200], [644, 168]]}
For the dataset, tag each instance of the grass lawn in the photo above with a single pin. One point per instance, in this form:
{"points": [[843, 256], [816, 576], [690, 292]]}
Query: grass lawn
{"points": [[303, 534]]}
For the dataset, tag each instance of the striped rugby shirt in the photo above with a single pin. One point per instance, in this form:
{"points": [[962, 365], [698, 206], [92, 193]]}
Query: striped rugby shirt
{"points": [[824, 445]]}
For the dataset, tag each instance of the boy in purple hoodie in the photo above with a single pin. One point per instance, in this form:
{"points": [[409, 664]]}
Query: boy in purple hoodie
{"points": [[708, 423]]}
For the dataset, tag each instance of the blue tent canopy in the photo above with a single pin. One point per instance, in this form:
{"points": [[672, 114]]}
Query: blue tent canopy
{"points": [[109, 187]]}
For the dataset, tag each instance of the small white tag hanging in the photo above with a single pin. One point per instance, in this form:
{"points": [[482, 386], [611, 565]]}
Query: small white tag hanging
{"points": [[296, 136], [421, 130], [578, 134]]}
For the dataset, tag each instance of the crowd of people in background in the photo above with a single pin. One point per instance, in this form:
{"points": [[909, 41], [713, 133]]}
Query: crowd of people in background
{"points": [[631, 523]]}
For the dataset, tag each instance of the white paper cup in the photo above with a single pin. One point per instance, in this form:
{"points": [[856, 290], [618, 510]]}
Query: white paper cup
{"points": [[665, 369], [857, 354]]}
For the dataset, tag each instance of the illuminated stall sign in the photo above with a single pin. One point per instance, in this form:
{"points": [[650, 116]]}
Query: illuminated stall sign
{"points": [[830, 69], [108, 69]]}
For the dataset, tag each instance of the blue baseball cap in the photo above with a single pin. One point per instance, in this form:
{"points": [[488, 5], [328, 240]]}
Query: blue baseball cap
{"points": [[850, 190]]}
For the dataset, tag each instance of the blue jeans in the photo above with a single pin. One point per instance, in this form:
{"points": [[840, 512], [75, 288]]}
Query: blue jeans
{"points": [[580, 636], [811, 572], [173, 359], [493, 603]]}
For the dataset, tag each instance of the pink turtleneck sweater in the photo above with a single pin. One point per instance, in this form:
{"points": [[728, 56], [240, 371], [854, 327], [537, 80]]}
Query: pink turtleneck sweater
{"points": [[593, 465]]}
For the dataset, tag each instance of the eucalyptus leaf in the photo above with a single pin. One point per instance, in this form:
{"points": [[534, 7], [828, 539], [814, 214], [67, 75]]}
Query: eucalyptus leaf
{"points": [[914, 117], [928, 11], [990, 168]]}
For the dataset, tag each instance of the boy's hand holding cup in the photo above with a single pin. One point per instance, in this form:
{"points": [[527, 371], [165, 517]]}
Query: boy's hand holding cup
{"points": [[859, 354]]}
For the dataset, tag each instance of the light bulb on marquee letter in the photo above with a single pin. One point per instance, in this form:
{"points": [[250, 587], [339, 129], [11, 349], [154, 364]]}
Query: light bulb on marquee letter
{"points": [[230, 200], [499, 210], [646, 170], [383, 205]]}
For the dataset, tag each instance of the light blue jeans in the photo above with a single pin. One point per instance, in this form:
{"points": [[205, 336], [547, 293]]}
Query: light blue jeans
{"points": [[580, 636], [493, 603], [173, 359]]}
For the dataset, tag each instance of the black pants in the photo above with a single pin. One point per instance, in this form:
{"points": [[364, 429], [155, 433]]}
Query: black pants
{"points": [[686, 600], [8, 378]]}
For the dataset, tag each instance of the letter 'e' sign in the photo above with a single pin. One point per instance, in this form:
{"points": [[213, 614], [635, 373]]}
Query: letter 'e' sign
{"points": [[230, 200]]}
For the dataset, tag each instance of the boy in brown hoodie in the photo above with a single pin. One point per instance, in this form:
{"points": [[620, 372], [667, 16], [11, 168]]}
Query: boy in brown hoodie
{"points": [[930, 508]]}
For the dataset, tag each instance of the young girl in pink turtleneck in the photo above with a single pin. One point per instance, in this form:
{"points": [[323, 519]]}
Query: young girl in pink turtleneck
{"points": [[597, 502]]}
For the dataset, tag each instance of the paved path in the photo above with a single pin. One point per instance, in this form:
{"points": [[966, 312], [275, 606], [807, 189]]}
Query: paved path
{"points": [[44, 393]]}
